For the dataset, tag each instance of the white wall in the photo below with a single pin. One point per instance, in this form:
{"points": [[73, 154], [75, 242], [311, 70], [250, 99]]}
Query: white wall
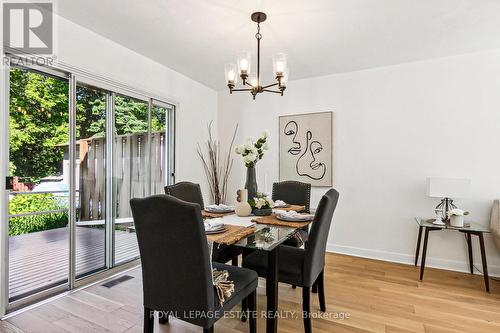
{"points": [[197, 104], [394, 126]]}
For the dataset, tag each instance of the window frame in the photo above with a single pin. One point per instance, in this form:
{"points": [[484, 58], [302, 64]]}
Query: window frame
{"points": [[76, 77]]}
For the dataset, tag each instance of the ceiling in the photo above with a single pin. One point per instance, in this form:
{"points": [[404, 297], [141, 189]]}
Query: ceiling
{"points": [[197, 37]]}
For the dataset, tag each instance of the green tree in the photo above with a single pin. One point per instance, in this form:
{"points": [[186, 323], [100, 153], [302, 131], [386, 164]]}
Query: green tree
{"points": [[38, 123], [131, 115]]}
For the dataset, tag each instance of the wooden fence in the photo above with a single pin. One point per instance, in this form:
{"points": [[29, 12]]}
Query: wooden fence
{"points": [[139, 170]]}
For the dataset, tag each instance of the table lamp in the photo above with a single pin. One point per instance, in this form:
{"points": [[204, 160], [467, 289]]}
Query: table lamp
{"points": [[447, 189]]}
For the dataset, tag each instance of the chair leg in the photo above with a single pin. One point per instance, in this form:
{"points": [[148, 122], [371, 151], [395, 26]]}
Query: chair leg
{"points": [[321, 290], [209, 330], [252, 315], [244, 308], [314, 288], [234, 261], [149, 320], [306, 309]]}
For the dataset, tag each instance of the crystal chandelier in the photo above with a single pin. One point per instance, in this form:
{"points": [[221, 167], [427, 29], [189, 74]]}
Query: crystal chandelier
{"points": [[251, 81]]}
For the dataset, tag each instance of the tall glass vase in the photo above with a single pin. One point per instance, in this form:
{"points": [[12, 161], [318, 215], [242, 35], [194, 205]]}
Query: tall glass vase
{"points": [[251, 183]]}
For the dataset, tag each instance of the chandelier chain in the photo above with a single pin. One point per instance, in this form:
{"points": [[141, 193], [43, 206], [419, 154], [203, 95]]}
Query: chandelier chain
{"points": [[258, 35]]}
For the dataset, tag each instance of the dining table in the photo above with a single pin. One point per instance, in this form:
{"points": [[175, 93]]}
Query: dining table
{"points": [[260, 235]]}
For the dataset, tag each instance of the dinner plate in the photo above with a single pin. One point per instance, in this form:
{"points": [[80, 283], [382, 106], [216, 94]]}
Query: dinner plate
{"points": [[284, 206], [292, 219], [216, 231], [220, 211]]}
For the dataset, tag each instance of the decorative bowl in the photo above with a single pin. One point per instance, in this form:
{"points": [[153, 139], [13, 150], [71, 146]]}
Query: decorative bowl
{"points": [[262, 211]]}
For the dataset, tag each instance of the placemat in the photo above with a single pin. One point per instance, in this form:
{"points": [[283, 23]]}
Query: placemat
{"points": [[233, 234], [210, 215], [296, 208], [273, 220]]}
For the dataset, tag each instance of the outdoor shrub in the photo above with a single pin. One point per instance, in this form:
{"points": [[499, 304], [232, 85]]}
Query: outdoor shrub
{"points": [[27, 203]]}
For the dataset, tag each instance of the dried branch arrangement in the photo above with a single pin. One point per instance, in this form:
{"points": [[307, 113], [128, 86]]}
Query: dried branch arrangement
{"points": [[217, 167]]}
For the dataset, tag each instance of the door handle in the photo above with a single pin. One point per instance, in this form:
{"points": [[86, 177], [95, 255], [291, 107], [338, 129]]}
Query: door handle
{"points": [[9, 183]]}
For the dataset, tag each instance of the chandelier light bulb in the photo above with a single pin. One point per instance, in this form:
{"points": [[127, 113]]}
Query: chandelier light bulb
{"points": [[231, 74], [253, 81], [279, 67], [279, 64], [244, 61], [244, 65]]}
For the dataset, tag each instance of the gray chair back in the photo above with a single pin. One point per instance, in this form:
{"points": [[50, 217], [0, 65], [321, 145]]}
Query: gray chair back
{"points": [[293, 192], [187, 191], [173, 247], [318, 236]]}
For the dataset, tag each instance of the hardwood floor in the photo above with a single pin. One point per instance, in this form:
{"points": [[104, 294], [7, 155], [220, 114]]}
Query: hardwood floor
{"points": [[378, 297]]}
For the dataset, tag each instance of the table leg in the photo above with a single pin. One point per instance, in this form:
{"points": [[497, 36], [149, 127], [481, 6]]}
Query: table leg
{"points": [[419, 238], [485, 265], [272, 291], [469, 248], [424, 253]]}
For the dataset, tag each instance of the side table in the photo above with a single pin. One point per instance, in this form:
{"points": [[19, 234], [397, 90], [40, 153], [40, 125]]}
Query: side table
{"points": [[426, 226]]}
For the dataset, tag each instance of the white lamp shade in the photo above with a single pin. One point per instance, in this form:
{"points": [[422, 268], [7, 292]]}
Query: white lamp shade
{"points": [[448, 187]]}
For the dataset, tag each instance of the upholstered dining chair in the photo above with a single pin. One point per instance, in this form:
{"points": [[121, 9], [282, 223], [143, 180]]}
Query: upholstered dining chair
{"points": [[187, 191], [176, 267], [303, 267], [294, 193], [191, 192]]}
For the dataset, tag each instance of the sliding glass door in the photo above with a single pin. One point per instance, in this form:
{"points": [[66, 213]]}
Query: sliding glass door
{"points": [[77, 155], [162, 146], [90, 180], [38, 201], [131, 176]]}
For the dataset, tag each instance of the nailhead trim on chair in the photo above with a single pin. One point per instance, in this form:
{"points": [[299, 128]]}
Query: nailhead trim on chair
{"points": [[168, 187], [306, 185]]}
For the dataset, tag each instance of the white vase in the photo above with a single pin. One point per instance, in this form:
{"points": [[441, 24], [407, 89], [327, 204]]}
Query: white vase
{"points": [[243, 208], [457, 221]]}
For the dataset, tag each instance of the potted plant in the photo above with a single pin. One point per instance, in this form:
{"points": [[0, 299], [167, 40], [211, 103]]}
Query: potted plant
{"points": [[261, 204], [457, 217], [252, 152]]}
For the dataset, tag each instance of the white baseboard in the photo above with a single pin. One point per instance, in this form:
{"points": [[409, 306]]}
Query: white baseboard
{"points": [[401, 258]]}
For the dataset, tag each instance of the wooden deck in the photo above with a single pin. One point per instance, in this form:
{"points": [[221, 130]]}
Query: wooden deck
{"points": [[40, 259]]}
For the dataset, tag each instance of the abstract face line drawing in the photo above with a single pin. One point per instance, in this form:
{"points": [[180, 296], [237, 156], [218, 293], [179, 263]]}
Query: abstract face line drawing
{"points": [[291, 128], [306, 148], [306, 164]]}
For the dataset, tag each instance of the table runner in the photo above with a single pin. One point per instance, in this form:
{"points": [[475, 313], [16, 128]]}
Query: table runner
{"points": [[296, 208], [273, 220], [211, 215], [232, 235]]}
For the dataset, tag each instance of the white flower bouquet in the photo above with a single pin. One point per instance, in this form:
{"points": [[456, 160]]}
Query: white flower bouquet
{"points": [[253, 151], [262, 205], [456, 217]]}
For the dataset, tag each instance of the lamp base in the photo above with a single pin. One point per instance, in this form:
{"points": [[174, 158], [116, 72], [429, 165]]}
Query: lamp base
{"points": [[444, 207]]}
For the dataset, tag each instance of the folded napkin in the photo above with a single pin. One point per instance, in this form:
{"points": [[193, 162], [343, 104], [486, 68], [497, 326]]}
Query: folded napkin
{"points": [[213, 223], [293, 215], [280, 203], [220, 207]]}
